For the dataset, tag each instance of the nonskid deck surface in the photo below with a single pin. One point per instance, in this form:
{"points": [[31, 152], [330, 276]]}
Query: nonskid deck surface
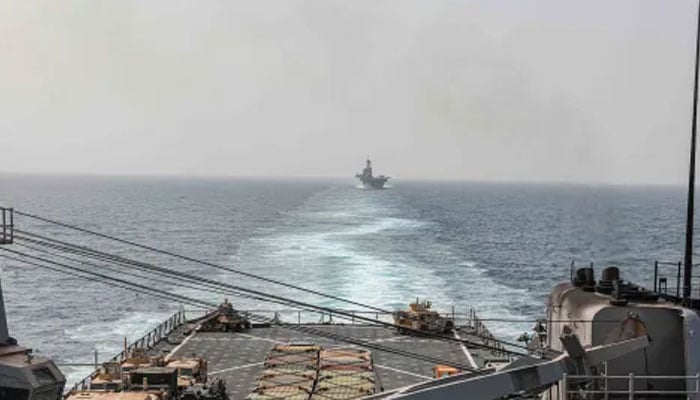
{"points": [[238, 357]]}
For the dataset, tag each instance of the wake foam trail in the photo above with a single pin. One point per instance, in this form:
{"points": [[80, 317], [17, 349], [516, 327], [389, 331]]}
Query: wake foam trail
{"points": [[493, 300], [364, 248]]}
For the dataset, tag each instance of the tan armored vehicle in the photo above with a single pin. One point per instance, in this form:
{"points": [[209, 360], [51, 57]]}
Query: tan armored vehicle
{"points": [[153, 379], [189, 371], [139, 358], [109, 378], [225, 319], [420, 317], [145, 383]]}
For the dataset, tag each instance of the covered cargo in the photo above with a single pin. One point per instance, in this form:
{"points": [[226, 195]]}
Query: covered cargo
{"points": [[344, 374], [290, 373]]}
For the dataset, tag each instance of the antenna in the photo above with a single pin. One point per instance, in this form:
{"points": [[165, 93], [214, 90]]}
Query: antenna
{"points": [[688, 270]]}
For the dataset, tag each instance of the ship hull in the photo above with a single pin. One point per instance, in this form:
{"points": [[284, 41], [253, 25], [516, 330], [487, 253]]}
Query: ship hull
{"points": [[374, 184]]}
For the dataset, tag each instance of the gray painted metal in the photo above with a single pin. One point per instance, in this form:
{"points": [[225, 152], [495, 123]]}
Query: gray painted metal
{"points": [[18, 370], [4, 333], [524, 379]]}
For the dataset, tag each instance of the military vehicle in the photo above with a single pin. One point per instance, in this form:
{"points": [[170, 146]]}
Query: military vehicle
{"points": [[215, 389], [109, 378], [136, 358], [189, 371], [153, 379], [420, 317], [225, 319]]}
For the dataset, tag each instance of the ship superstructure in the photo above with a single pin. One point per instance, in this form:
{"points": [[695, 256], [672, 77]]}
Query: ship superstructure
{"points": [[370, 181]]}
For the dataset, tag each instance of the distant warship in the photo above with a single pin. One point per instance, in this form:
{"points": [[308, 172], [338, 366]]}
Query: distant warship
{"points": [[369, 181]]}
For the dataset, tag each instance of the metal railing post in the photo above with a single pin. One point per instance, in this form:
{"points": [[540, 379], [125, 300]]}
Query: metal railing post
{"points": [[678, 281], [631, 386], [298, 317], [605, 371], [564, 392], [656, 274]]}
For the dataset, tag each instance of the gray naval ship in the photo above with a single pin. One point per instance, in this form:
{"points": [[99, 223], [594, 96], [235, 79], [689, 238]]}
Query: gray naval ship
{"points": [[602, 336], [368, 180]]}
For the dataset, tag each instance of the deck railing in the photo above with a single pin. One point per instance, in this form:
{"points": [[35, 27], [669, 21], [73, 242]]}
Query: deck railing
{"points": [[339, 316], [469, 320], [692, 384]]}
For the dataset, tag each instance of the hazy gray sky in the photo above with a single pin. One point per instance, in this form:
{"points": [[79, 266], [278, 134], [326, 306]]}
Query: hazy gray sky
{"points": [[489, 89]]}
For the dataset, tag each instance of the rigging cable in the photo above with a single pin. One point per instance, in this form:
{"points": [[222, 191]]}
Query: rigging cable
{"points": [[194, 260], [297, 303], [218, 266], [193, 301], [181, 284], [133, 274]]}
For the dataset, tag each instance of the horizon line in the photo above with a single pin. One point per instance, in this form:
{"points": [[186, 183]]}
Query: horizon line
{"points": [[335, 177]]}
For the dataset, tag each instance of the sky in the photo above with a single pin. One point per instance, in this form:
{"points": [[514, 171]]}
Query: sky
{"points": [[489, 90]]}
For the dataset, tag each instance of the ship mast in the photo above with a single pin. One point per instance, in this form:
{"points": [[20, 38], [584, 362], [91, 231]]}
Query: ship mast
{"points": [[6, 238], [688, 267]]}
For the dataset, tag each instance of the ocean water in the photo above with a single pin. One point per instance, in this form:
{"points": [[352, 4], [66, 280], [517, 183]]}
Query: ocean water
{"points": [[497, 248]]}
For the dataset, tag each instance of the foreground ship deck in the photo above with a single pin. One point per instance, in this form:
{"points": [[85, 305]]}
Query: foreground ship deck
{"points": [[237, 357]]}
